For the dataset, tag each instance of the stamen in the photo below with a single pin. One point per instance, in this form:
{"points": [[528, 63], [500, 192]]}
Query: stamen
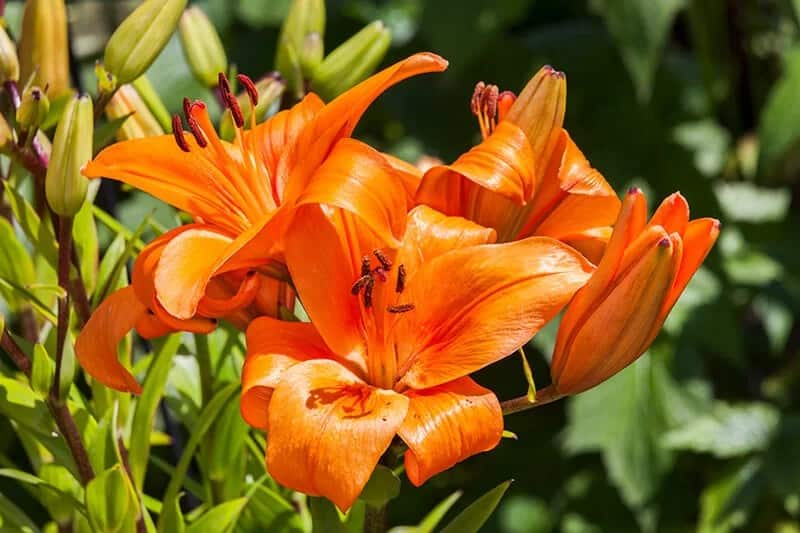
{"points": [[250, 87], [359, 284], [401, 279], [484, 105], [187, 107], [370, 285], [177, 132], [366, 267], [230, 100], [477, 94], [402, 308], [194, 127], [382, 259]]}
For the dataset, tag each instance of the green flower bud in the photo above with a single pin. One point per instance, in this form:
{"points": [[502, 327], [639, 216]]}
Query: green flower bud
{"points": [[6, 137], [202, 46], [33, 108], [65, 187], [300, 44], [352, 61], [140, 38], [43, 47], [9, 63], [141, 122]]}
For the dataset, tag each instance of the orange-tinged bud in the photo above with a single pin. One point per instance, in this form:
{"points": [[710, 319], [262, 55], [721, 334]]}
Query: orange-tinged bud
{"points": [[615, 317], [141, 122], [43, 48], [539, 111], [9, 63]]}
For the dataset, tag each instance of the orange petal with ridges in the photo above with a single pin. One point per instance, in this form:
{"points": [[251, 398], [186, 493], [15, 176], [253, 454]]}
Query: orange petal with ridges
{"points": [[504, 163], [356, 177], [323, 265], [672, 214], [328, 429], [477, 305], [273, 346], [448, 424], [96, 345], [698, 239]]}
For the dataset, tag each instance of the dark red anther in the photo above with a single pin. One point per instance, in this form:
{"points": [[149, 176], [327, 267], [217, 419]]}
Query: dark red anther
{"points": [[250, 87], [490, 100], [366, 268], [402, 308], [477, 95], [187, 107], [177, 132], [369, 286], [223, 83], [194, 127], [359, 284], [230, 100], [401, 279], [382, 259]]}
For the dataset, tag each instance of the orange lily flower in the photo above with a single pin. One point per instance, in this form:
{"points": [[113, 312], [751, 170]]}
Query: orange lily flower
{"points": [[617, 315], [527, 177], [403, 307], [241, 195]]}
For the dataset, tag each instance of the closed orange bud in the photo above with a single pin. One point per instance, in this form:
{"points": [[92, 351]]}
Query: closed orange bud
{"points": [[615, 317]]}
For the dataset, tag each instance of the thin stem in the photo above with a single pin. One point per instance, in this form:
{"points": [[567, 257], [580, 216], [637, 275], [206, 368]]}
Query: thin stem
{"points": [[16, 354], [543, 397], [69, 430], [64, 254], [375, 519], [100, 103], [205, 367]]}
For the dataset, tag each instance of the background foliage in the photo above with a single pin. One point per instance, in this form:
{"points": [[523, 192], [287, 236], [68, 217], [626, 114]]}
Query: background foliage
{"points": [[699, 96]]}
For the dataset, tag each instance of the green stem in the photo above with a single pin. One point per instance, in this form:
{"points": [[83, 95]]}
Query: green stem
{"points": [[375, 519], [206, 368], [543, 397]]}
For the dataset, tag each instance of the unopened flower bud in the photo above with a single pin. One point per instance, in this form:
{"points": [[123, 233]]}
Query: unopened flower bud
{"points": [[9, 63], [33, 108], [352, 61], [140, 122], [65, 187], [202, 46], [300, 44], [6, 135], [140, 38], [43, 46]]}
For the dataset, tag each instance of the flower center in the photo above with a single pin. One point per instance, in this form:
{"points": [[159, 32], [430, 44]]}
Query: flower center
{"points": [[490, 106], [365, 284]]}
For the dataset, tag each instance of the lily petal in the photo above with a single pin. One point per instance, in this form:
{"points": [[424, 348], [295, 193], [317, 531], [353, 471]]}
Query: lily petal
{"points": [[328, 429], [356, 177], [96, 345], [274, 346], [477, 305], [447, 424]]}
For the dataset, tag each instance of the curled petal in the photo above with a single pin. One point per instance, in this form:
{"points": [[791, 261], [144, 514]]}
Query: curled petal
{"points": [[328, 429], [96, 346], [447, 424]]}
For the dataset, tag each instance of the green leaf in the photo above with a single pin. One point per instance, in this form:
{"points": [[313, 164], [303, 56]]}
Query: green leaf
{"points": [[116, 227], [746, 202], [218, 519], [382, 487], [109, 502], [87, 248], [525, 514], [629, 435], [268, 511], [104, 134], [324, 516], [42, 371], [640, 29], [172, 517], [61, 493], [11, 516], [119, 265], [15, 264], [779, 124], [727, 431], [433, 518], [478, 512], [204, 423], [726, 503], [146, 405], [37, 304], [40, 235]]}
